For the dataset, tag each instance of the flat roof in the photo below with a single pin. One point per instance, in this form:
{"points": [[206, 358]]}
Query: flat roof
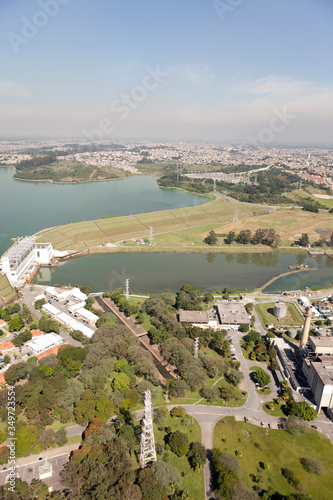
{"points": [[321, 341], [44, 342], [324, 371], [16, 251], [193, 316], [49, 308], [233, 313], [87, 314], [75, 325]]}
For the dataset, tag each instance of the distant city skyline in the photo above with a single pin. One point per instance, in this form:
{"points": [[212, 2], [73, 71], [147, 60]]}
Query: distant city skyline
{"points": [[218, 71]]}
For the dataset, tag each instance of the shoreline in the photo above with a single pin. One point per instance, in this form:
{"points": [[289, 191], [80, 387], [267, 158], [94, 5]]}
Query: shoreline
{"points": [[68, 182]]}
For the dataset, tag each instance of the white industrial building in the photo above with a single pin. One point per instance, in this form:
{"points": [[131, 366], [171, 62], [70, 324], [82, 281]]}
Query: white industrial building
{"points": [[73, 324], [44, 342], [21, 259], [74, 300]]}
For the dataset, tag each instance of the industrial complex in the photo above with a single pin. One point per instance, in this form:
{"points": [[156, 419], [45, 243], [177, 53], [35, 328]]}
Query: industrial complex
{"points": [[22, 259]]}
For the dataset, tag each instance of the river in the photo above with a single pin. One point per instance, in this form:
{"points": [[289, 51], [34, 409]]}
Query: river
{"points": [[155, 272], [27, 207]]}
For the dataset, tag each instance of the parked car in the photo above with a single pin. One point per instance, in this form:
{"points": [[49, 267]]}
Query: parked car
{"points": [[279, 426], [262, 424], [246, 419], [269, 426], [314, 427]]}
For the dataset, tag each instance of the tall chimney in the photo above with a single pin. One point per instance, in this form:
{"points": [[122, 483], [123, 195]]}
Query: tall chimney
{"points": [[306, 327]]}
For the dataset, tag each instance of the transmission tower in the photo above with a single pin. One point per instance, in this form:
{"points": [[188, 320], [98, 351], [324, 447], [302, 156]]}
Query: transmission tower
{"points": [[147, 444], [214, 184], [225, 196], [256, 180], [236, 216], [300, 185], [196, 347], [151, 236], [127, 289]]}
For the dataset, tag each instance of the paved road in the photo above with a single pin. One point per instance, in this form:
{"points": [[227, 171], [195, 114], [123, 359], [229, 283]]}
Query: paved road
{"points": [[46, 466]]}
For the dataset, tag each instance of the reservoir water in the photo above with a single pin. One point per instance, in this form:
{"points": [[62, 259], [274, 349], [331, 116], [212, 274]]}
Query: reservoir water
{"points": [[155, 272], [27, 207]]}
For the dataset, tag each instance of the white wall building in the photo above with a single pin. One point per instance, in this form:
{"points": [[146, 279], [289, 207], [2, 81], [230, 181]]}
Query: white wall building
{"points": [[21, 259], [44, 342]]}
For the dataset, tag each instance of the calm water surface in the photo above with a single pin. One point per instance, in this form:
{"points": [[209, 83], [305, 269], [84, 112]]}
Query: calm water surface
{"points": [[27, 207], [154, 272]]}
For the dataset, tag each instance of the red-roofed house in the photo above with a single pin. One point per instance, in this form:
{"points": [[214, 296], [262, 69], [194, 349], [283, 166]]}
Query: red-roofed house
{"points": [[36, 333], [2, 323], [6, 346]]}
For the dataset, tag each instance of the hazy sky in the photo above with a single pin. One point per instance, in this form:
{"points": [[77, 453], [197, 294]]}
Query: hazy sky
{"points": [[222, 70]]}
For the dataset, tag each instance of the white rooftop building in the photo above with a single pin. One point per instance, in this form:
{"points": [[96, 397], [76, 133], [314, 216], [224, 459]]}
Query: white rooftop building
{"points": [[73, 324], [44, 342], [50, 309], [21, 259], [87, 315]]}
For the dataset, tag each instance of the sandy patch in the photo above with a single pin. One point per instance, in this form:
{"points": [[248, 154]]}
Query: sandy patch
{"points": [[323, 196]]}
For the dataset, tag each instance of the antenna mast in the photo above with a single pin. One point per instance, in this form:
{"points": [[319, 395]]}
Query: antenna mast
{"points": [[147, 444]]}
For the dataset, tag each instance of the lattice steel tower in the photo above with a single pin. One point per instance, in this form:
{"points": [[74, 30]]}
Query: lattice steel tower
{"points": [[147, 444], [151, 236], [196, 347], [127, 295]]}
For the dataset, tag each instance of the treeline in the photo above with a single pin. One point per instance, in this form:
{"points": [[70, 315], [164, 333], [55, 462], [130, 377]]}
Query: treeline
{"points": [[193, 185], [272, 186], [176, 340], [57, 173], [109, 376], [38, 161], [260, 237]]}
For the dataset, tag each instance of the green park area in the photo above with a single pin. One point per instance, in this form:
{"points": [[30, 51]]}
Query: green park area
{"points": [[193, 480], [293, 317], [286, 462]]}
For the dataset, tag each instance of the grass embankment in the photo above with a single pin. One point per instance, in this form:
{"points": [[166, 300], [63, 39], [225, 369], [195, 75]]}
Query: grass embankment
{"points": [[99, 233], [192, 481], [184, 229], [281, 450], [265, 313], [6, 291]]}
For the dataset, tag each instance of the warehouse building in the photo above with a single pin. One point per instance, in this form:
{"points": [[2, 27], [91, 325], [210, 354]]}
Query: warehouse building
{"points": [[232, 315]]}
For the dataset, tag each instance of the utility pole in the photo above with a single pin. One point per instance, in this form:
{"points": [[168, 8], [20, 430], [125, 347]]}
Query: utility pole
{"points": [[236, 216], [196, 347], [147, 444]]}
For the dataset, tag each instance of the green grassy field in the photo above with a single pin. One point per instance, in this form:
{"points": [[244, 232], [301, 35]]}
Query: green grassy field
{"points": [[90, 234], [279, 449], [315, 194], [192, 481], [265, 312], [184, 229]]}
